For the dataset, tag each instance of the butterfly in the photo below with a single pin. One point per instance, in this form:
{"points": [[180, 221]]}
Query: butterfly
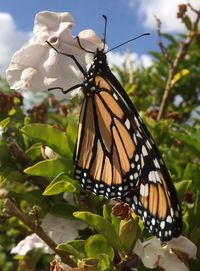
{"points": [[115, 154]]}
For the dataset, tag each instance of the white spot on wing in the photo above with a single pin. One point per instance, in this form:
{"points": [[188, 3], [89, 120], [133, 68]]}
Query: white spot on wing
{"points": [[136, 157], [77, 177], [169, 219], [144, 190], [131, 177], [115, 96], [137, 122], [162, 224], [177, 214], [138, 134], [135, 175], [157, 176], [144, 151], [152, 177], [148, 144], [132, 165], [142, 160], [135, 199], [135, 139], [156, 163], [127, 124], [171, 212]]}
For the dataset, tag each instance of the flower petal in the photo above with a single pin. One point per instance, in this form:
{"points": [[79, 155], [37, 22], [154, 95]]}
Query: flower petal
{"points": [[170, 262], [184, 245], [30, 242]]}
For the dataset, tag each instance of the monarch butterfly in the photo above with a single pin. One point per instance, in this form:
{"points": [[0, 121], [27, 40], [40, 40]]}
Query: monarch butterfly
{"points": [[115, 154]]}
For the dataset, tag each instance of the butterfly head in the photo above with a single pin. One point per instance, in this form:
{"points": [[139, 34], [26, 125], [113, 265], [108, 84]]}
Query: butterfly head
{"points": [[99, 60], [98, 67]]}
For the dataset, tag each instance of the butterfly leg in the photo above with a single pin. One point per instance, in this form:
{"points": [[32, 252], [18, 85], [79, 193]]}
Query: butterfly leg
{"points": [[67, 90], [71, 56]]}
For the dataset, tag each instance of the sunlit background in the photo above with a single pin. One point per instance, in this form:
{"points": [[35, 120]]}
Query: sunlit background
{"points": [[126, 19]]}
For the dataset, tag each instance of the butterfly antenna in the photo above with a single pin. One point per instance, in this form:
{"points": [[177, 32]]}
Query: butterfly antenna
{"points": [[105, 29], [79, 43], [145, 34]]}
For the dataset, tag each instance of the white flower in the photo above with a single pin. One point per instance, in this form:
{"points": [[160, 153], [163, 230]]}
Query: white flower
{"points": [[37, 66], [30, 242], [60, 230], [47, 152], [1, 132], [169, 256]]}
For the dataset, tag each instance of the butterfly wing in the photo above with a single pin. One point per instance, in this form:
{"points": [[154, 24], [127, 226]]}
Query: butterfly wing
{"points": [[117, 157], [103, 160]]}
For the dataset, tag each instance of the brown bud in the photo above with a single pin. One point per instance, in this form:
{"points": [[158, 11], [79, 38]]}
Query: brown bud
{"points": [[153, 113], [39, 112], [182, 8], [121, 210]]}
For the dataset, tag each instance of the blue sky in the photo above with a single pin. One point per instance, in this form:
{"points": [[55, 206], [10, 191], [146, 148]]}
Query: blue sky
{"points": [[123, 20], [126, 19]]}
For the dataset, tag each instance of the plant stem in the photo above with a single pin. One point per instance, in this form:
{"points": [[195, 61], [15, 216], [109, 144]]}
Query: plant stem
{"points": [[174, 66], [11, 208]]}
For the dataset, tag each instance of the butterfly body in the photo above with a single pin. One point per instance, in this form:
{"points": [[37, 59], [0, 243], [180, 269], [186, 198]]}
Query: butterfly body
{"points": [[116, 156]]}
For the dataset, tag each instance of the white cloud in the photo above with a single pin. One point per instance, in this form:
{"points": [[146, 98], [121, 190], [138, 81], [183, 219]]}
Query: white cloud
{"points": [[129, 59], [11, 40], [165, 10]]}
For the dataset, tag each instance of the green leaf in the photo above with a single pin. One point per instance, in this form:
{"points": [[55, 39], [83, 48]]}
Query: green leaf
{"points": [[70, 250], [15, 176], [190, 136], [188, 23], [102, 226], [181, 188], [179, 75], [5, 156], [157, 55], [171, 38], [97, 244], [89, 264], [78, 245], [196, 210], [128, 233], [72, 128], [131, 89], [107, 214], [104, 262], [195, 235], [63, 210], [4, 123], [192, 171], [33, 197], [49, 168], [50, 136], [34, 151], [62, 183]]}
